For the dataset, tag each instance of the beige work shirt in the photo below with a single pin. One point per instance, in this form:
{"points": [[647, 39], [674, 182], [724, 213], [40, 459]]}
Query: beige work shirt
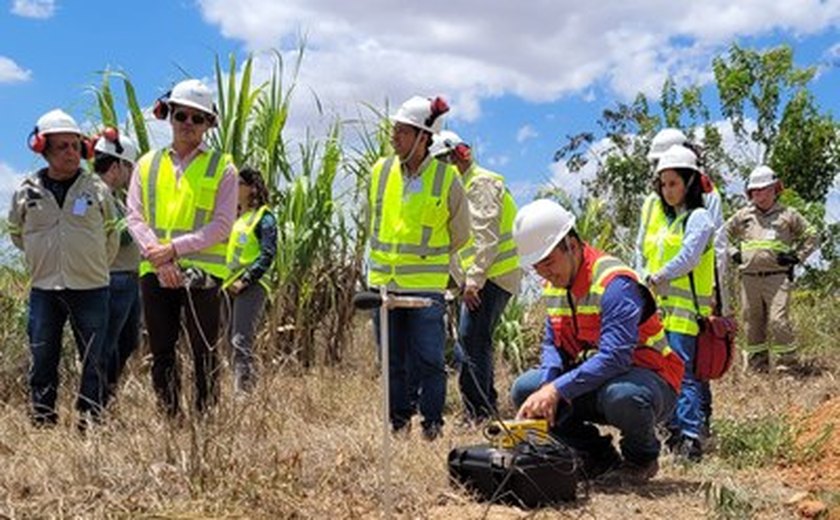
{"points": [[69, 247], [486, 201], [779, 223], [128, 256]]}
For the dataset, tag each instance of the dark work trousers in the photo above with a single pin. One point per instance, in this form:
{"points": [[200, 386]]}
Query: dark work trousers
{"points": [[163, 309]]}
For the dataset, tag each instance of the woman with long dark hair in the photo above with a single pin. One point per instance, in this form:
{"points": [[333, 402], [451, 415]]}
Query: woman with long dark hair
{"points": [[679, 266], [251, 250]]}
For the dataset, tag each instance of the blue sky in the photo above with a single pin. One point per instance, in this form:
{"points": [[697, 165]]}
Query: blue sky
{"points": [[519, 77]]}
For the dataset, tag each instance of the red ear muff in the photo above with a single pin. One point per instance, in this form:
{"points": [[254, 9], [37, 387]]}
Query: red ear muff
{"points": [[779, 187], [462, 152], [161, 108], [110, 133], [438, 108], [86, 149], [37, 142], [113, 135]]}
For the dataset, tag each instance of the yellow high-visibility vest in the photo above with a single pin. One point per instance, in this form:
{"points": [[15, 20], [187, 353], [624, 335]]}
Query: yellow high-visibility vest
{"points": [[174, 207], [409, 232], [506, 259], [243, 248], [674, 297]]}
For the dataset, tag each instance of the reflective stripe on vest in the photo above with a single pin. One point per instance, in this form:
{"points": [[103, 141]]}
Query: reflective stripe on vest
{"points": [[409, 233], [674, 297], [174, 207], [507, 259], [576, 323], [243, 247], [772, 245]]}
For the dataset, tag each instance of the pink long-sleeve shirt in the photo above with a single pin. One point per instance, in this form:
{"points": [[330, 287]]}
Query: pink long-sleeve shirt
{"points": [[217, 230]]}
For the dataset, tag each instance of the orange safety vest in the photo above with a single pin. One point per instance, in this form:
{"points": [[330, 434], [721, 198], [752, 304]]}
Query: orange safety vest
{"points": [[576, 318]]}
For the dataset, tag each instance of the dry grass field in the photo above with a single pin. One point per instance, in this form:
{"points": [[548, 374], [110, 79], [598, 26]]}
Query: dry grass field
{"points": [[307, 445]]}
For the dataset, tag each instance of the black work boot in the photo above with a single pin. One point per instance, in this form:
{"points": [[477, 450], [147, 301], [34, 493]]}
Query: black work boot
{"points": [[630, 474]]}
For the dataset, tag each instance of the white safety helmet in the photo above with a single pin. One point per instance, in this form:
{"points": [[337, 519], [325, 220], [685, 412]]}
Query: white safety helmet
{"points": [[537, 229], [664, 139], [423, 113], [194, 94], [761, 177], [677, 157], [444, 143], [57, 122], [118, 145]]}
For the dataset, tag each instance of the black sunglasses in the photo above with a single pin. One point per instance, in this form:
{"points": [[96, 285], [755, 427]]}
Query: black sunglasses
{"points": [[197, 119]]}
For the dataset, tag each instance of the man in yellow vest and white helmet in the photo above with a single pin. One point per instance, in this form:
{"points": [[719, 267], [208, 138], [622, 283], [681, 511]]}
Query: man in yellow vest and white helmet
{"points": [[182, 204], [419, 218], [487, 271], [768, 240]]}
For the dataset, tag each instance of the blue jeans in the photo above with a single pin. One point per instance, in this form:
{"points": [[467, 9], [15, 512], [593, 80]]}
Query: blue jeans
{"points": [[416, 340], [123, 323], [634, 402], [474, 351], [88, 314], [688, 417]]}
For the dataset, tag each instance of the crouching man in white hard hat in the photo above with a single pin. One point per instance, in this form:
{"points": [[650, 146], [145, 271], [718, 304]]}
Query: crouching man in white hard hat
{"points": [[114, 158], [419, 218], [488, 273], [768, 241], [63, 219], [605, 359], [181, 207]]}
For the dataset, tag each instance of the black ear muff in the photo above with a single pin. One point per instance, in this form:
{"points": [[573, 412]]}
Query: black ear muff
{"points": [[161, 107], [37, 142]]}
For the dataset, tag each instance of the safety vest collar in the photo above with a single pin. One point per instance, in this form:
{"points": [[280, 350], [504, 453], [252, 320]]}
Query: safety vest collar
{"points": [[583, 277]]}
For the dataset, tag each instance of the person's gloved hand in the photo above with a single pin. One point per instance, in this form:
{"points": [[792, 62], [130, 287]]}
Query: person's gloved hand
{"points": [[737, 259], [787, 258]]}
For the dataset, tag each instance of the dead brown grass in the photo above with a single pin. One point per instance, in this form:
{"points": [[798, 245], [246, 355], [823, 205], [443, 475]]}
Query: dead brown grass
{"points": [[308, 446]]}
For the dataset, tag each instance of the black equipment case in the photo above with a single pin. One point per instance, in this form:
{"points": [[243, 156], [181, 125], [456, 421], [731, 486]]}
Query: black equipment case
{"points": [[528, 475]]}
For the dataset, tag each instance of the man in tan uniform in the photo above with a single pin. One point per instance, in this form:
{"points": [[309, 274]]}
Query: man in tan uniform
{"points": [[62, 218], [115, 156], [487, 271], [767, 241]]}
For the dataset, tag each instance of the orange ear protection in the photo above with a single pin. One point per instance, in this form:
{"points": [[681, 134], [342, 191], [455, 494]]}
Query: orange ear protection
{"points": [[161, 108], [38, 143]]}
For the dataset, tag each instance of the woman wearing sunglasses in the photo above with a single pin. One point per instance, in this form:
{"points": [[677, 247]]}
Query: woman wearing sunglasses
{"points": [[182, 204]]}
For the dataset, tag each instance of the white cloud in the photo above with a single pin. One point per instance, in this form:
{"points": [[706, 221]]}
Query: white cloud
{"points": [[497, 161], [9, 180], [534, 50], [11, 72], [34, 8], [526, 132]]}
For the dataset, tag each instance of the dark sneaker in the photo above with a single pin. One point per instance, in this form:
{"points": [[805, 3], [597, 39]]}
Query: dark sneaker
{"points": [[432, 431], [630, 474], [759, 361], [673, 441], [596, 464], [690, 450], [788, 362]]}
